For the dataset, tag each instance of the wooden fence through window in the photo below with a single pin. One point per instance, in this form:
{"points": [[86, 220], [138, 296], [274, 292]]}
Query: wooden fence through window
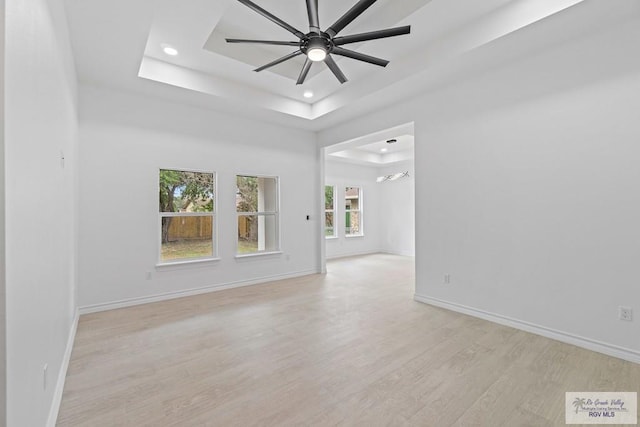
{"points": [[190, 228]]}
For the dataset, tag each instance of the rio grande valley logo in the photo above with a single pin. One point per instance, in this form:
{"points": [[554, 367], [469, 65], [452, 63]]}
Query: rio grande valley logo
{"points": [[601, 408]]}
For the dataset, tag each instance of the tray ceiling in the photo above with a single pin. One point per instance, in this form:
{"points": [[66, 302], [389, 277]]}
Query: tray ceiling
{"points": [[119, 44]]}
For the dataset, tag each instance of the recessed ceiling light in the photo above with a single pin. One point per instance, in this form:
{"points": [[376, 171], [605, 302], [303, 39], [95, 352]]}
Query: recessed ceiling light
{"points": [[169, 50], [308, 94], [384, 150]]}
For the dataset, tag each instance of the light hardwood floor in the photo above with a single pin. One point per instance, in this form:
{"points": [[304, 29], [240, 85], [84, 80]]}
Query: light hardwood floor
{"points": [[348, 348]]}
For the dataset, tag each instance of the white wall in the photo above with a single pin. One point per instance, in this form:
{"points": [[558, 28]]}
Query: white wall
{"points": [[126, 139], [3, 289], [526, 181], [536, 218], [342, 175], [40, 122], [397, 210]]}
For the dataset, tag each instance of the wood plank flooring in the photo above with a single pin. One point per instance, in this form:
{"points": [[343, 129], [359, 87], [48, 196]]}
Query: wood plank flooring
{"points": [[349, 348]]}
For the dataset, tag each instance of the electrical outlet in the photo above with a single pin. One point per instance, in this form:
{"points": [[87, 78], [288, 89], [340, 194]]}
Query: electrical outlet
{"points": [[625, 313], [45, 368], [447, 279]]}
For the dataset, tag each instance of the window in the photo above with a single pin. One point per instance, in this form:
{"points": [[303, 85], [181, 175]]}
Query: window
{"points": [[258, 218], [329, 211], [187, 211], [353, 211]]}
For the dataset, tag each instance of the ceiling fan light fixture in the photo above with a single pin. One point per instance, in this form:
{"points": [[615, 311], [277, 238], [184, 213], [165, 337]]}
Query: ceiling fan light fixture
{"points": [[308, 94], [316, 49], [317, 54], [321, 46]]}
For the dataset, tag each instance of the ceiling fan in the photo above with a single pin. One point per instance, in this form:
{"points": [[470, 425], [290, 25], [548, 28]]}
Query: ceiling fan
{"points": [[319, 45]]}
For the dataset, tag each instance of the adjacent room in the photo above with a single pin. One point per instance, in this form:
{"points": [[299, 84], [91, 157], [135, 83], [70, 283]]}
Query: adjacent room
{"points": [[319, 212], [370, 195]]}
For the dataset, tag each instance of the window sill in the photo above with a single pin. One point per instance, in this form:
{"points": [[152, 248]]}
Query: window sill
{"points": [[349, 236], [331, 237], [258, 254], [186, 262]]}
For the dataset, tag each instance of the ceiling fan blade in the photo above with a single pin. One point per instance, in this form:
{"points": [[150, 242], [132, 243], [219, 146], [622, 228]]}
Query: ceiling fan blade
{"points": [[373, 35], [335, 69], [360, 56], [312, 11], [272, 18], [279, 61], [348, 17], [305, 70], [273, 42]]}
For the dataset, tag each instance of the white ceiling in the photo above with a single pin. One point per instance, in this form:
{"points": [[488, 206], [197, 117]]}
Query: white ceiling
{"points": [[367, 150], [370, 153], [117, 44]]}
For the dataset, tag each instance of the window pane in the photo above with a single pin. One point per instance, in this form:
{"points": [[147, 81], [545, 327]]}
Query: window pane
{"points": [[257, 233], [185, 237], [256, 194], [184, 191], [328, 197], [353, 223], [352, 198], [329, 229]]}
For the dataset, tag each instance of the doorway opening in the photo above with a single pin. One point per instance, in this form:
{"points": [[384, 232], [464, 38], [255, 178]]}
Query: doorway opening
{"points": [[369, 195]]}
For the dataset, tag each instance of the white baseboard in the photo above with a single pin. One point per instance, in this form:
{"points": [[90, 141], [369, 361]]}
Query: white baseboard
{"points": [[587, 343], [62, 375], [94, 308], [351, 254], [400, 253], [373, 252]]}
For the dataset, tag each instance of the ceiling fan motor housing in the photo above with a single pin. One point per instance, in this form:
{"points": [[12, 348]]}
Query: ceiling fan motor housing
{"points": [[316, 41]]}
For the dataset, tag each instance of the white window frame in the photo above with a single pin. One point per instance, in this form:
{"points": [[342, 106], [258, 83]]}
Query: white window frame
{"points": [[275, 214], [333, 211], [359, 211], [212, 214]]}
